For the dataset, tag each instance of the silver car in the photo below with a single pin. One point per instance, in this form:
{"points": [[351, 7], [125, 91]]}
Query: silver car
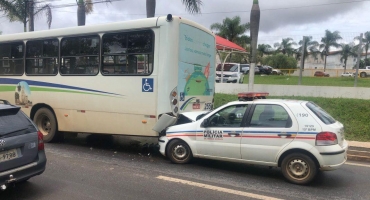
{"points": [[22, 153]]}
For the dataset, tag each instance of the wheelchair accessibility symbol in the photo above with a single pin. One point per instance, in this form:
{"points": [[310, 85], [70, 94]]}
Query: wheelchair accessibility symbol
{"points": [[147, 84]]}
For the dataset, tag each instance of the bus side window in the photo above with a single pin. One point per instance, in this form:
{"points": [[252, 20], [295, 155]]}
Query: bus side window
{"points": [[80, 55], [11, 58]]}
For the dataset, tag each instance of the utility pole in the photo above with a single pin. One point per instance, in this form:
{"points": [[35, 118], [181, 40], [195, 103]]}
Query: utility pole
{"points": [[359, 52], [302, 61]]}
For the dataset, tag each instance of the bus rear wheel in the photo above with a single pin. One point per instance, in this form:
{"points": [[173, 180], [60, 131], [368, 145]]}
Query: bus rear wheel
{"points": [[47, 124]]}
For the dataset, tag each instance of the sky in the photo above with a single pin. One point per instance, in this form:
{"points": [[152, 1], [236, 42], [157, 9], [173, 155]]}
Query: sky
{"points": [[279, 18]]}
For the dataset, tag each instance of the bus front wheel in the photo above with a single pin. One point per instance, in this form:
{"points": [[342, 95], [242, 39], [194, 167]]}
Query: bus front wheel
{"points": [[47, 124]]}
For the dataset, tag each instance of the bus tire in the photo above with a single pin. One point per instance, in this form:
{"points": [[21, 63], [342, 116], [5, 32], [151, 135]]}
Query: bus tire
{"points": [[179, 152], [299, 168], [363, 75], [47, 124]]}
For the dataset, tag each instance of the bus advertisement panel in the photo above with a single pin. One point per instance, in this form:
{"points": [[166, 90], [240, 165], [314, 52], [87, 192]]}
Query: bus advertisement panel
{"points": [[196, 83]]}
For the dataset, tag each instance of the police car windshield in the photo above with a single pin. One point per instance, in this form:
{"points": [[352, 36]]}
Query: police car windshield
{"points": [[320, 113]]}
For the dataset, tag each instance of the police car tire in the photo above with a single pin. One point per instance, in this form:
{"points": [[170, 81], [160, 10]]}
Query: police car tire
{"points": [[183, 154], [302, 161]]}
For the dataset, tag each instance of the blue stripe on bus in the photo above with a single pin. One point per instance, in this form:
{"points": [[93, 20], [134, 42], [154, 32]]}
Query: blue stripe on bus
{"points": [[46, 84]]}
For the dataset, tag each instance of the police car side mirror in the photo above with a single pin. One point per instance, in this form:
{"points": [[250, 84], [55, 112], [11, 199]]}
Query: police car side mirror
{"points": [[205, 123]]}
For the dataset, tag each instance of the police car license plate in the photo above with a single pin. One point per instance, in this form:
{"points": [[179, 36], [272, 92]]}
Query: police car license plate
{"points": [[196, 106], [8, 155]]}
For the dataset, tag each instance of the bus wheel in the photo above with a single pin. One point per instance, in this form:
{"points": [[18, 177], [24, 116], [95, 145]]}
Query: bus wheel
{"points": [[179, 152], [299, 168], [363, 75], [47, 124]]}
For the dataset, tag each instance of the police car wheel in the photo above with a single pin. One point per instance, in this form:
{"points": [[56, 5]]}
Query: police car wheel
{"points": [[179, 152], [299, 168]]}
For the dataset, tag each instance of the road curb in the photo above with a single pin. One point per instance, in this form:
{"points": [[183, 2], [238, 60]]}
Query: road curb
{"points": [[358, 154]]}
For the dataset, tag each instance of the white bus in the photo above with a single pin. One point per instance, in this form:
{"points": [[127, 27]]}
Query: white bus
{"points": [[115, 78]]}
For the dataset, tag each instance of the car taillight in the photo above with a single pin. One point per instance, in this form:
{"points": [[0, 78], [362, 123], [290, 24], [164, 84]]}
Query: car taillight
{"points": [[41, 141], [326, 138]]}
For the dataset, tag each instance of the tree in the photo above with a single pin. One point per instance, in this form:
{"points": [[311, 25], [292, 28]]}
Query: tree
{"points": [[15, 11], [263, 49], [330, 40], [254, 29], [85, 7], [192, 6], [286, 46], [280, 61], [310, 47], [347, 51], [231, 29], [365, 42]]}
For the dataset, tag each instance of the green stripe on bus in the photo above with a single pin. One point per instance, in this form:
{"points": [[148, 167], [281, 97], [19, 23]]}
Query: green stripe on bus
{"points": [[40, 89], [7, 88]]}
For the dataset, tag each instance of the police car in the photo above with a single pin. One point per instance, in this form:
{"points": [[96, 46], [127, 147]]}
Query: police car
{"points": [[297, 136]]}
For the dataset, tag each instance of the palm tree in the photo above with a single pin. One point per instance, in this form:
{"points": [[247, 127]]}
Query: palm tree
{"points": [[192, 6], [85, 7], [365, 42], [254, 28], [231, 29], [286, 46], [15, 11], [347, 51], [263, 49], [330, 40], [32, 12], [310, 47]]}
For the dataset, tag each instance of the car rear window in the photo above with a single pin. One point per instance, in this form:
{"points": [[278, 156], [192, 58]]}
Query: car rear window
{"points": [[320, 113], [14, 122]]}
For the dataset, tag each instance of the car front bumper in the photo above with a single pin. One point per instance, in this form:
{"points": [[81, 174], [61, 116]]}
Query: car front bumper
{"points": [[24, 172], [162, 144], [227, 80]]}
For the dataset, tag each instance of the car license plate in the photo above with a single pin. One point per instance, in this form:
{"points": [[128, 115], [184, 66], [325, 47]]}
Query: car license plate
{"points": [[8, 155], [196, 106]]}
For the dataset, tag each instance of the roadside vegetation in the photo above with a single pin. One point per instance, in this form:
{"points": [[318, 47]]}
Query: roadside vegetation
{"points": [[309, 81], [353, 113]]}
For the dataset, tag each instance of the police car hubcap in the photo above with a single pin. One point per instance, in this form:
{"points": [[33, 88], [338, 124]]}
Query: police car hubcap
{"points": [[180, 152], [298, 168]]}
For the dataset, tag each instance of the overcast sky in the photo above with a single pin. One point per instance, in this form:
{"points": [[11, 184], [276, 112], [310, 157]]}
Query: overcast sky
{"points": [[279, 18]]}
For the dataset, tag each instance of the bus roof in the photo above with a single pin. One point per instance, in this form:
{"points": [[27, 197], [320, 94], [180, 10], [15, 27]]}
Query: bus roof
{"points": [[97, 28]]}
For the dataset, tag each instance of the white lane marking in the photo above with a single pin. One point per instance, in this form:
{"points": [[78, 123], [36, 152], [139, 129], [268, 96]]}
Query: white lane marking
{"points": [[215, 188], [356, 164]]}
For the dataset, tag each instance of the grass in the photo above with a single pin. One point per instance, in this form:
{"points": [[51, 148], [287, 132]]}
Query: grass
{"points": [[309, 81], [353, 113]]}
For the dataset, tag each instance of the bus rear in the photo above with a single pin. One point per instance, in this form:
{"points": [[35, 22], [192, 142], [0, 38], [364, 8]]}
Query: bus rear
{"points": [[196, 73]]}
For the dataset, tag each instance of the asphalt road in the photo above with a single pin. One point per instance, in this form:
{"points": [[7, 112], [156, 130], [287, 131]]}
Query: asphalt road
{"points": [[106, 167]]}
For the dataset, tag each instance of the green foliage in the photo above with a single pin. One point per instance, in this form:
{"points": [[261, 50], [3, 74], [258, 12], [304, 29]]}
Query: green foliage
{"points": [[310, 81], [363, 63], [353, 113], [280, 61], [231, 29]]}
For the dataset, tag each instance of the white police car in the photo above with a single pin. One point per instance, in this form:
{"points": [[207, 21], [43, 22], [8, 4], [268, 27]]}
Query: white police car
{"points": [[297, 136]]}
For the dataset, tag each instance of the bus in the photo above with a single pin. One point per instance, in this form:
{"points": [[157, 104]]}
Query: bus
{"points": [[116, 78]]}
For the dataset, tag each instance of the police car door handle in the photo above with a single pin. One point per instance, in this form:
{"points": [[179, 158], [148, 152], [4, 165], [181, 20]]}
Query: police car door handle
{"points": [[284, 134], [234, 134]]}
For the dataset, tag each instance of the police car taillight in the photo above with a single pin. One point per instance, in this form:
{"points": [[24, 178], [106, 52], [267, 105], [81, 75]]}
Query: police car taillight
{"points": [[326, 138], [250, 96]]}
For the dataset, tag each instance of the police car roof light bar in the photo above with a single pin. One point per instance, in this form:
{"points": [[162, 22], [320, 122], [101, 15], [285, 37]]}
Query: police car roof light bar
{"points": [[250, 96]]}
